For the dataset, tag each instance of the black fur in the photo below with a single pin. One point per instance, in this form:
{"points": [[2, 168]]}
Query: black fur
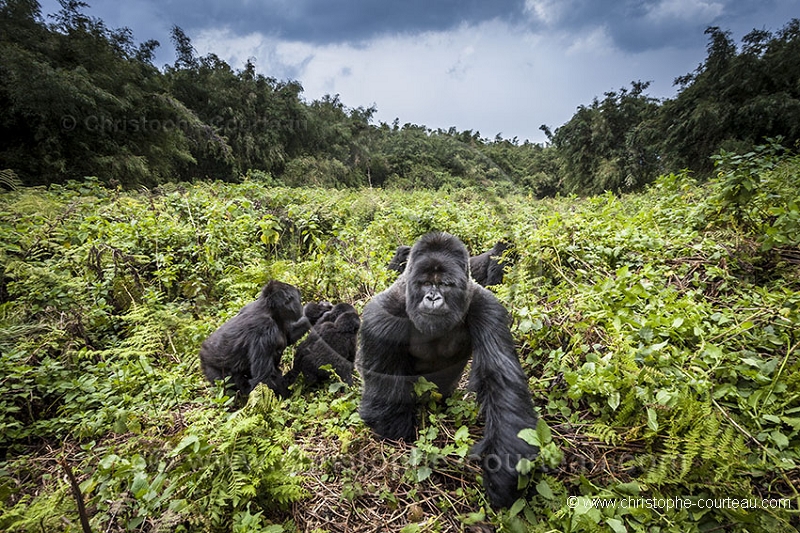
{"points": [[399, 260], [429, 323], [485, 268], [248, 347], [313, 311], [332, 341]]}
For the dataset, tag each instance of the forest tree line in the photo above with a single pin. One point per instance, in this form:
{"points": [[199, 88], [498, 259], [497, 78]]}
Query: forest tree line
{"points": [[80, 99]]}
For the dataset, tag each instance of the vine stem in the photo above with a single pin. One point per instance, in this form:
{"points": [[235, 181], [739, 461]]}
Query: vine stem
{"points": [[76, 492]]}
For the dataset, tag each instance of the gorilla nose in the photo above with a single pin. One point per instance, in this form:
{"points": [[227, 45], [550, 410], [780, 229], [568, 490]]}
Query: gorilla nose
{"points": [[432, 301]]}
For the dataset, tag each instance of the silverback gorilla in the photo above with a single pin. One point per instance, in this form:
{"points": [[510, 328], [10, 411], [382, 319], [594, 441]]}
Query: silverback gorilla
{"points": [[429, 323], [332, 341], [248, 347]]}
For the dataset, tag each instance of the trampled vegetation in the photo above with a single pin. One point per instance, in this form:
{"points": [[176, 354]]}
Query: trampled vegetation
{"points": [[659, 331]]}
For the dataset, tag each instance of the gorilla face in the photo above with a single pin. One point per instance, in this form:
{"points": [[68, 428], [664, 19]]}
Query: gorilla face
{"points": [[437, 284], [314, 311]]}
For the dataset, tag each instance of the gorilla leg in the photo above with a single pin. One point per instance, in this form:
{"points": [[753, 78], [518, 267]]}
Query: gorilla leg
{"points": [[310, 367]]}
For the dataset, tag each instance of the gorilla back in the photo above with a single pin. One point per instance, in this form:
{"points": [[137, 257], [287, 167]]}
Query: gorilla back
{"points": [[399, 259], [486, 268], [429, 323]]}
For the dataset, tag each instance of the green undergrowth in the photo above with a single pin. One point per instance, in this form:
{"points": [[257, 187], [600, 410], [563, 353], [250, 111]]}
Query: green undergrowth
{"points": [[659, 331]]}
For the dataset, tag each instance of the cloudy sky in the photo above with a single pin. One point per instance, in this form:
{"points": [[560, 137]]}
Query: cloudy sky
{"points": [[499, 67]]}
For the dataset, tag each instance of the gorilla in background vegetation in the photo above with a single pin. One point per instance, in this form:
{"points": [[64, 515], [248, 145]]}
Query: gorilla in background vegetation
{"points": [[429, 323], [399, 260], [332, 341], [485, 268], [248, 346]]}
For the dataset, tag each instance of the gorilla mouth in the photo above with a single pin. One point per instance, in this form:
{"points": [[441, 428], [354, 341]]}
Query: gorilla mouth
{"points": [[436, 323], [443, 310], [436, 313]]}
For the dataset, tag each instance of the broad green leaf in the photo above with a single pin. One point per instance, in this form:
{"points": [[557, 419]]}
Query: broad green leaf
{"points": [[652, 419], [544, 490], [613, 400], [140, 486], [616, 525]]}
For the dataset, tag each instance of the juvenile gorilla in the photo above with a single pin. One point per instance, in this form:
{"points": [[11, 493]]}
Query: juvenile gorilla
{"points": [[429, 323], [332, 341], [248, 347], [485, 268], [313, 311]]}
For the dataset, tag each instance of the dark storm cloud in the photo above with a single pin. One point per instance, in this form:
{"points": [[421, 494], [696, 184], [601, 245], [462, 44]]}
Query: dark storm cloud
{"points": [[641, 25], [632, 25], [326, 21]]}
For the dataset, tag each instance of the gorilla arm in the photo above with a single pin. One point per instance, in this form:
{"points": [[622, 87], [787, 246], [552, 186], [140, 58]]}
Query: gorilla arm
{"points": [[387, 403], [326, 344], [503, 394], [295, 330], [264, 352]]}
